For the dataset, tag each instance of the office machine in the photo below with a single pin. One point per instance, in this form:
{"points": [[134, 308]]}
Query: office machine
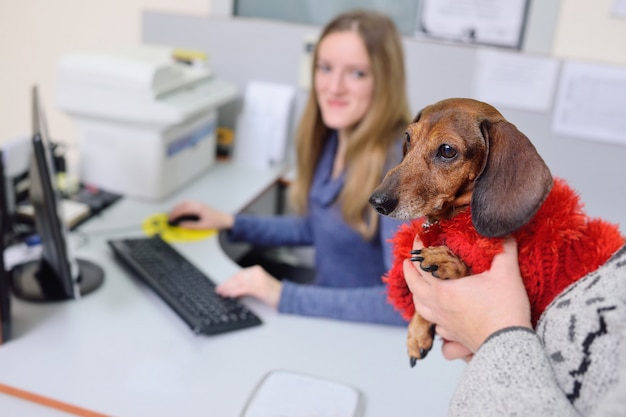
{"points": [[146, 117]]}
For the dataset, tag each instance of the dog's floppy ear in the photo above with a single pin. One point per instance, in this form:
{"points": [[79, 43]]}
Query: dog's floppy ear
{"points": [[513, 183]]}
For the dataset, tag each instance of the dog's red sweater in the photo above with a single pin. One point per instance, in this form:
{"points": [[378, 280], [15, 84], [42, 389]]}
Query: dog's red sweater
{"points": [[560, 245]]}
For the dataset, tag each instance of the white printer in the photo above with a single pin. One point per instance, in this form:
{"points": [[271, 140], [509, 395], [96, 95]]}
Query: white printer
{"points": [[146, 116]]}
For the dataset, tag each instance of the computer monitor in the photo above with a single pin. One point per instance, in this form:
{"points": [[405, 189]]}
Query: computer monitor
{"points": [[58, 275]]}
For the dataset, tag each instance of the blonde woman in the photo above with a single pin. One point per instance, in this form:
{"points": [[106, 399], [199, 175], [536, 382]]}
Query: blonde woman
{"points": [[349, 135]]}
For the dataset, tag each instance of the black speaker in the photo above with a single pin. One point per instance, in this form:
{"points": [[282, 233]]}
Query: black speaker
{"points": [[5, 293], [5, 307]]}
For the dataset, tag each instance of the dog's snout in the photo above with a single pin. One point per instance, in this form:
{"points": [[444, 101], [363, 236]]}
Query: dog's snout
{"points": [[383, 203]]}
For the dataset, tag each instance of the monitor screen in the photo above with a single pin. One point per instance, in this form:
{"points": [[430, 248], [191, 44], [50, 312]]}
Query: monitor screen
{"points": [[58, 275]]}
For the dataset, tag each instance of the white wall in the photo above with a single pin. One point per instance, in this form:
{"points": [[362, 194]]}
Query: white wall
{"points": [[587, 30], [35, 33]]}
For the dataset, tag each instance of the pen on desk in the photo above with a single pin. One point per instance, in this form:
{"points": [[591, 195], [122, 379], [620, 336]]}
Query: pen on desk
{"points": [[48, 402]]}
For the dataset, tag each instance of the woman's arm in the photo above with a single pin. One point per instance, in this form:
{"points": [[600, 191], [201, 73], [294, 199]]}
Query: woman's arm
{"points": [[208, 217], [255, 229], [271, 230], [510, 375], [366, 304], [513, 373], [363, 304]]}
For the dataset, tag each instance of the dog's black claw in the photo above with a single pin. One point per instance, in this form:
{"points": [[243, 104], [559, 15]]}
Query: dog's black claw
{"points": [[417, 259], [416, 251], [423, 352], [413, 361], [429, 268]]}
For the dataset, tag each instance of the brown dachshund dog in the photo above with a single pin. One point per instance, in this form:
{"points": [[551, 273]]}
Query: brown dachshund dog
{"points": [[462, 158]]}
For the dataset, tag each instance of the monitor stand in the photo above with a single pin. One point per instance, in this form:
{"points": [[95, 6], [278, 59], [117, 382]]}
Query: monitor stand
{"points": [[34, 281]]}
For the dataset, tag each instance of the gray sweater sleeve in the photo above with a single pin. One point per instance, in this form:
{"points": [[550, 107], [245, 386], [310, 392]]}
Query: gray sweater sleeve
{"points": [[574, 364], [510, 376]]}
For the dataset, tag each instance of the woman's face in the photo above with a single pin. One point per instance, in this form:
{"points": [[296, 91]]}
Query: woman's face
{"points": [[344, 83]]}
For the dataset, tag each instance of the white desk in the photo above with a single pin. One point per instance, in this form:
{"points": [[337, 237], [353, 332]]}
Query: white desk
{"points": [[121, 351]]}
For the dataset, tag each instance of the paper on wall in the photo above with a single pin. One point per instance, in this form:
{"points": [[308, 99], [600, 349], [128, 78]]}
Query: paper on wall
{"points": [[515, 80], [488, 22], [263, 127], [591, 102]]}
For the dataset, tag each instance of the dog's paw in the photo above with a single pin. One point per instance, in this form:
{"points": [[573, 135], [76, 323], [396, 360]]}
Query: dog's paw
{"points": [[440, 261], [420, 338]]}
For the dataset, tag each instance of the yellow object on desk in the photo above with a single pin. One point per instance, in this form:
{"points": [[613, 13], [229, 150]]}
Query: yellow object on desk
{"points": [[157, 225], [190, 56], [225, 138]]}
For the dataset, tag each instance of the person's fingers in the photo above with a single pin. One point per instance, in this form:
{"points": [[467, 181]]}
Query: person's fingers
{"points": [[414, 278], [451, 348], [420, 289], [176, 211], [454, 350], [236, 286], [194, 225], [444, 333], [227, 288], [185, 208], [417, 243]]}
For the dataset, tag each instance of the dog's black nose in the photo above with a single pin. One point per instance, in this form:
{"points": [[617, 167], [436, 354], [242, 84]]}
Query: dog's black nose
{"points": [[382, 203]]}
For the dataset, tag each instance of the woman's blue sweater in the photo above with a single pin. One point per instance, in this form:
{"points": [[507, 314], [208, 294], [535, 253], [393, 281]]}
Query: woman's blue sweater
{"points": [[348, 284]]}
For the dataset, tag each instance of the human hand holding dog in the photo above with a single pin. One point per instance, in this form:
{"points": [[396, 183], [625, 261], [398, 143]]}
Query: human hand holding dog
{"points": [[468, 310], [253, 281], [208, 217]]}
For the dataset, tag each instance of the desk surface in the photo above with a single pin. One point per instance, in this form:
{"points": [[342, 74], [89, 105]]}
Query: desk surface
{"points": [[121, 351]]}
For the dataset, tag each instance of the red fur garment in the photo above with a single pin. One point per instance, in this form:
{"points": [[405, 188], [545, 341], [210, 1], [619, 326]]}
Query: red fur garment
{"points": [[560, 245]]}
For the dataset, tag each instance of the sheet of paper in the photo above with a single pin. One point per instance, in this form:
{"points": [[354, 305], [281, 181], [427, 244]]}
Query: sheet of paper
{"points": [[251, 146], [283, 393], [515, 80], [489, 22], [591, 102], [262, 129], [70, 211], [16, 156]]}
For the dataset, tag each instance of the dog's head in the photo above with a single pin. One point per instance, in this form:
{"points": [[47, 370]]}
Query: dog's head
{"points": [[461, 152]]}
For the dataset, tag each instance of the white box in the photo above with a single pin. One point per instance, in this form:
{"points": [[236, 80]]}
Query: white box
{"points": [[146, 123]]}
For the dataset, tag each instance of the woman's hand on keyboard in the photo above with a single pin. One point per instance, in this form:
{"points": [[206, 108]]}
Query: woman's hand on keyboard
{"points": [[254, 282]]}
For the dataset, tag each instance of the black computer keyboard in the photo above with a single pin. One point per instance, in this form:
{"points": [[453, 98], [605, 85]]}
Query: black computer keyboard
{"points": [[188, 291]]}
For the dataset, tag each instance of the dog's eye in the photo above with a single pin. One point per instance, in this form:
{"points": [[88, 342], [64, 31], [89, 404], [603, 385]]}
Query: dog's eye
{"points": [[407, 137], [446, 151]]}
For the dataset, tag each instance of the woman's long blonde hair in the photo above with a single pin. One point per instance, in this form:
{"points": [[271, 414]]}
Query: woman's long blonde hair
{"points": [[372, 138]]}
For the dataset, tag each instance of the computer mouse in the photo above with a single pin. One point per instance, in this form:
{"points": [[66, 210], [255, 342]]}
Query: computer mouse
{"points": [[183, 218]]}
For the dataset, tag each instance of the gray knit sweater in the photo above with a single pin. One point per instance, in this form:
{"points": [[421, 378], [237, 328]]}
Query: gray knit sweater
{"points": [[573, 365]]}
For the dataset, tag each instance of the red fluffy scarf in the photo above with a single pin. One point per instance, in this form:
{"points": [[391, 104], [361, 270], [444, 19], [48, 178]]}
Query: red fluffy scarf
{"points": [[560, 245]]}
